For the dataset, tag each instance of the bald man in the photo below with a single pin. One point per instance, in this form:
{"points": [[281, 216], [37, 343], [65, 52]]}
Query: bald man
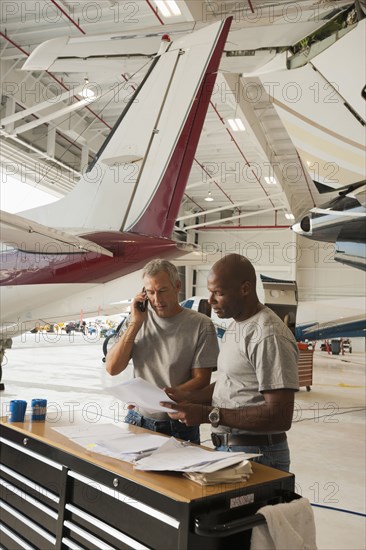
{"points": [[250, 407]]}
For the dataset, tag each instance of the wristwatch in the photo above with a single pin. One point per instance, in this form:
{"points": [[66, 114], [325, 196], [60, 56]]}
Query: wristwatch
{"points": [[214, 417]]}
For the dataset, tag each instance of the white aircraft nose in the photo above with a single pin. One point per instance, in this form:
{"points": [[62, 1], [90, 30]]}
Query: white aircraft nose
{"points": [[297, 228], [303, 227]]}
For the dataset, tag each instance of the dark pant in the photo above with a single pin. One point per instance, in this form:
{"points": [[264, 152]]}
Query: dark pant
{"points": [[166, 427]]}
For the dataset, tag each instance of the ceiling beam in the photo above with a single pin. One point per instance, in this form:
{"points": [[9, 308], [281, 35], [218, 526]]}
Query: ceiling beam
{"points": [[40, 106], [51, 116], [246, 215], [230, 207]]}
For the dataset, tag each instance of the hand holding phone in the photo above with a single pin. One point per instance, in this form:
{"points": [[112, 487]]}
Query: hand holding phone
{"points": [[143, 305]]}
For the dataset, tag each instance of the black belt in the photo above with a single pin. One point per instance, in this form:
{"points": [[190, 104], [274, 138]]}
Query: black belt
{"points": [[220, 439]]}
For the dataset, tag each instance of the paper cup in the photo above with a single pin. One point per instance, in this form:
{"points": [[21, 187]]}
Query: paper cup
{"points": [[17, 410], [39, 409]]}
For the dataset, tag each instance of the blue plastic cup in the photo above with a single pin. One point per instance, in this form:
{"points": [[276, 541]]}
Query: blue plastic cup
{"points": [[39, 409], [17, 410]]}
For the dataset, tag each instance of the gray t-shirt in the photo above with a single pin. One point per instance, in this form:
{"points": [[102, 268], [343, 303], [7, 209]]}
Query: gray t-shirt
{"points": [[256, 355], [167, 349]]}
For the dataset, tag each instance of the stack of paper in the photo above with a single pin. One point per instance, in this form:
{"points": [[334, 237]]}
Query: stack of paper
{"points": [[238, 473], [179, 456], [151, 451]]}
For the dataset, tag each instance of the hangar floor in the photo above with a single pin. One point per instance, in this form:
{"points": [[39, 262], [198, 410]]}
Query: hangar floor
{"points": [[327, 438]]}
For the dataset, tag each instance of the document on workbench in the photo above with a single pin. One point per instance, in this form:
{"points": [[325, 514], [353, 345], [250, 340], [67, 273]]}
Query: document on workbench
{"points": [[89, 435], [179, 456], [142, 394], [237, 473], [116, 441], [129, 449], [106, 430]]}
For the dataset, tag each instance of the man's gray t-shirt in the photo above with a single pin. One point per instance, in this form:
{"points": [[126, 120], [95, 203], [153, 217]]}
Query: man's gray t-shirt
{"points": [[167, 349], [256, 355]]}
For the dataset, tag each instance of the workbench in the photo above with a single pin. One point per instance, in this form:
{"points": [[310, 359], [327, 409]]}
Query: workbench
{"points": [[56, 494]]}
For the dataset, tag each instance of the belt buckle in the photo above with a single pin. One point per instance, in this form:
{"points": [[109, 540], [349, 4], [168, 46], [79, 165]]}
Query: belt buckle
{"points": [[216, 439]]}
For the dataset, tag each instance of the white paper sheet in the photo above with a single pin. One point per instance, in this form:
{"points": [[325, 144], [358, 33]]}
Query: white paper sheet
{"points": [[142, 394], [116, 441], [133, 444], [107, 430]]}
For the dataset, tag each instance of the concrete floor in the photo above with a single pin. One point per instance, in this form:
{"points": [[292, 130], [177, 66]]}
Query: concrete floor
{"points": [[327, 438]]}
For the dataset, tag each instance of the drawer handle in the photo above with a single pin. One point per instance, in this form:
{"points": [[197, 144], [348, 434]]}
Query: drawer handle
{"points": [[206, 528]]}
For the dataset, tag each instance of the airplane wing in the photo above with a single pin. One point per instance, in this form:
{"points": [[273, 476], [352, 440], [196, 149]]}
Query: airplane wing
{"points": [[29, 236], [354, 326], [355, 190], [341, 214], [360, 193]]}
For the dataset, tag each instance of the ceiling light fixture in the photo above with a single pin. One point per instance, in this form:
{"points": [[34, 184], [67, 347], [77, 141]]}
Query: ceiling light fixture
{"points": [[87, 93], [174, 7], [289, 216], [271, 180], [168, 8], [209, 197], [236, 124]]}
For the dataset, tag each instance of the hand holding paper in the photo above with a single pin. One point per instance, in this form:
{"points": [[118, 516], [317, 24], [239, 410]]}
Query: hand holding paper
{"points": [[189, 413], [142, 394]]}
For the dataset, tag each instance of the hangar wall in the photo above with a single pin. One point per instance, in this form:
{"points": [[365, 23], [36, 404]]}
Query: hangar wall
{"points": [[320, 277], [327, 290], [272, 252], [282, 254]]}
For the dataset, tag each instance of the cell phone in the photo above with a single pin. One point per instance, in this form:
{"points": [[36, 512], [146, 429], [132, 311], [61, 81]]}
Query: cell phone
{"points": [[143, 305]]}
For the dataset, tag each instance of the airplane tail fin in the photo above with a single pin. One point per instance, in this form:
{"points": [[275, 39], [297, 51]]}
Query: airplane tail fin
{"points": [[138, 179]]}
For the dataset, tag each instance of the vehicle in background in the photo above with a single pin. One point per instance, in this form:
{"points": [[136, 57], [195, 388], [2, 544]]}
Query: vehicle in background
{"points": [[337, 346], [74, 326], [112, 336]]}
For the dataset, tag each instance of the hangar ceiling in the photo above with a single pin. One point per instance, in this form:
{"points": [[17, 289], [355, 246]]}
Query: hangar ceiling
{"points": [[69, 68]]}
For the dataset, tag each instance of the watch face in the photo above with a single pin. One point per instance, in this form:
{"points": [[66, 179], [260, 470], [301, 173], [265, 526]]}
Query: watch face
{"points": [[214, 417]]}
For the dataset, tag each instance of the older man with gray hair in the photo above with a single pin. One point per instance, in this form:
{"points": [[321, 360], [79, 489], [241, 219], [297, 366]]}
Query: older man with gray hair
{"points": [[169, 346]]}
